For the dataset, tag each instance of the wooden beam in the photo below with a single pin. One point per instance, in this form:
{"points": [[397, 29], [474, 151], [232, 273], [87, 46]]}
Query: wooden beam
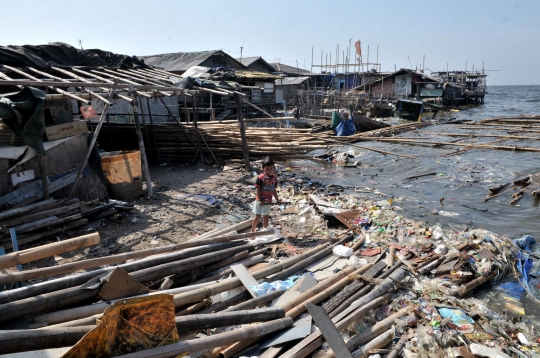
{"points": [[242, 129]]}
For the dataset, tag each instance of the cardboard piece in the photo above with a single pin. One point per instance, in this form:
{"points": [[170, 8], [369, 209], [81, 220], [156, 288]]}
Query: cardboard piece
{"points": [[119, 285]]}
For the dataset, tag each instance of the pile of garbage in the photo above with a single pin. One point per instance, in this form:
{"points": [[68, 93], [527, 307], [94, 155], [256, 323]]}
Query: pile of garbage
{"points": [[337, 274]]}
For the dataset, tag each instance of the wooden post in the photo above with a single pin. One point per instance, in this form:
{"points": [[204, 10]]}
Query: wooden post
{"points": [[242, 127], [153, 129], [142, 150], [43, 175], [93, 141]]}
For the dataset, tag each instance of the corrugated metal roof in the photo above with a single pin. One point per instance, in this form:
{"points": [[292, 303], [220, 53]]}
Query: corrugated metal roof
{"points": [[246, 61], [291, 81], [182, 61], [279, 67]]}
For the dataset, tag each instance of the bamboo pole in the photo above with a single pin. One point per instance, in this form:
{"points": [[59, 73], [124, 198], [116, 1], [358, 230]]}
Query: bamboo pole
{"points": [[414, 141], [22, 257], [98, 96], [44, 84], [314, 295], [315, 339], [108, 260], [398, 347], [30, 340], [382, 341], [118, 78], [226, 285], [223, 319], [82, 79], [371, 149], [242, 129], [144, 160], [200, 344], [33, 306], [92, 142]]}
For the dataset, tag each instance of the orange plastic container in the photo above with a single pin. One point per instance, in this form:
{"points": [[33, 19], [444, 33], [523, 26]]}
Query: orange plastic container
{"points": [[123, 172]]}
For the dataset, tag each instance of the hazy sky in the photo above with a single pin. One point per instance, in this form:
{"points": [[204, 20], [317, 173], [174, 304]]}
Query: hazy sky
{"points": [[504, 35]]}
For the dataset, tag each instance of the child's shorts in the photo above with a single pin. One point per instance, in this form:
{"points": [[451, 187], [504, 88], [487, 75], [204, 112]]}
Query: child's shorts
{"points": [[259, 209]]}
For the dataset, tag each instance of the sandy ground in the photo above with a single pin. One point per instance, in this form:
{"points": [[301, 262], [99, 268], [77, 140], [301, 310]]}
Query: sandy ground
{"points": [[171, 215]]}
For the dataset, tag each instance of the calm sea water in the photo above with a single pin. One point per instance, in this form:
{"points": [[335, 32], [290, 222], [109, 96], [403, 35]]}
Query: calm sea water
{"points": [[463, 179]]}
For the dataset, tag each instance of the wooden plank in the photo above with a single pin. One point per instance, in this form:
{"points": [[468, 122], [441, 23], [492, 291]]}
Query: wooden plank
{"points": [[329, 331], [65, 130], [245, 277]]}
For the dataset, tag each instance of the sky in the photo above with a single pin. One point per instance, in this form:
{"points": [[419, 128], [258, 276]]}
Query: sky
{"points": [[502, 36]]}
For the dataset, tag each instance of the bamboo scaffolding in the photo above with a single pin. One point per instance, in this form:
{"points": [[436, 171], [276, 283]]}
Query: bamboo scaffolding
{"points": [[43, 83], [45, 74], [82, 79]]}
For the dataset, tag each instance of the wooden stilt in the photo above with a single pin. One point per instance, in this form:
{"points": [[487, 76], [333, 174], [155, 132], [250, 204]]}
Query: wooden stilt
{"points": [[242, 128], [144, 160]]}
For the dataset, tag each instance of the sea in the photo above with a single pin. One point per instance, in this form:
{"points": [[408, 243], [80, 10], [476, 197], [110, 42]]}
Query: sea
{"points": [[452, 194], [462, 179]]}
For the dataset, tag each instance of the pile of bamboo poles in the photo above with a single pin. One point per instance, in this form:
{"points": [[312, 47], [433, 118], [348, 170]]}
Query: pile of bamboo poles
{"points": [[196, 275], [52, 217], [221, 141]]}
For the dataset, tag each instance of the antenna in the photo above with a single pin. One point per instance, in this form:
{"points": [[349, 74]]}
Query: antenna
{"points": [[80, 44], [410, 64], [241, 48]]}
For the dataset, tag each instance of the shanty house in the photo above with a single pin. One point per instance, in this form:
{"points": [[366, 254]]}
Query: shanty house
{"points": [[257, 63]]}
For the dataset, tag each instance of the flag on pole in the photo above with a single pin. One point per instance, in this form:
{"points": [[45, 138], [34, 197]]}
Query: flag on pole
{"points": [[358, 49]]}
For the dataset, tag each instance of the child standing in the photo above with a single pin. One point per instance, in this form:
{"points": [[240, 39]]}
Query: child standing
{"points": [[265, 186]]}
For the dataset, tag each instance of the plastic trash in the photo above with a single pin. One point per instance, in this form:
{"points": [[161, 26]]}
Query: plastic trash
{"points": [[267, 287], [437, 233], [457, 317], [447, 213], [525, 242], [523, 339], [343, 251], [357, 262], [485, 351], [273, 235], [441, 249]]}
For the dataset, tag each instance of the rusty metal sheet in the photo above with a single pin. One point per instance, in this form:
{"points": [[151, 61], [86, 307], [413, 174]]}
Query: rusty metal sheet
{"points": [[347, 217]]}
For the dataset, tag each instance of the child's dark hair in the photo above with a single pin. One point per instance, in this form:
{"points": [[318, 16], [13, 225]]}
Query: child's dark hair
{"points": [[266, 162]]}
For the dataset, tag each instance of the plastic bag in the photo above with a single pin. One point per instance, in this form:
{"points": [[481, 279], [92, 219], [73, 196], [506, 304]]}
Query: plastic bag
{"points": [[525, 242], [357, 262], [343, 251], [345, 128]]}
